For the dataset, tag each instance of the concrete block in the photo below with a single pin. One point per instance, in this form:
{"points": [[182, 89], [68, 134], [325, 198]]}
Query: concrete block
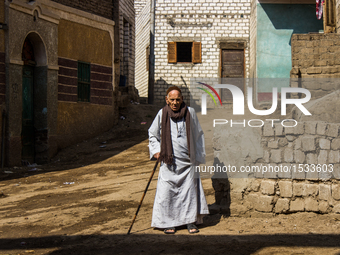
{"points": [[297, 144], [327, 175], [298, 189], [323, 206], [278, 130], [282, 142], [285, 171], [258, 174], [321, 128], [282, 205], [336, 191], [264, 204], [310, 190], [268, 130], [311, 158], [335, 145], [325, 144], [310, 127], [270, 171], [268, 187], [288, 155], [275, 156], [289, 130], [239, 185], [286, 188], [298, 205], [252, 200], [290, 138], [266, 156], [336, 208], [336, 171], [332, 130], [299, 156], [311, 174], [299, 129], [325, 192], [322, 158], [333, 157], [296, 175], [255, 185], [308, 143], [311, 204], [273, 144]]}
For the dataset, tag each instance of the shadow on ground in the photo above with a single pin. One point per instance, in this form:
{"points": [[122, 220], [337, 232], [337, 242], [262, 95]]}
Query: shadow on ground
{"points": [[130, 130], [167, 244]]}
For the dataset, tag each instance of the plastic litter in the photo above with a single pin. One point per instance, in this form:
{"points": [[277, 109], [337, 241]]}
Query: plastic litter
{"points": [[68, 183], [8, 172], [143, 123], [102, 146], [122, 117]]}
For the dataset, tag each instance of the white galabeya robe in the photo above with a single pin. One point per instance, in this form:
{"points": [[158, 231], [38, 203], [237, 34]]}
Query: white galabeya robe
{"points": [[179, 198]]}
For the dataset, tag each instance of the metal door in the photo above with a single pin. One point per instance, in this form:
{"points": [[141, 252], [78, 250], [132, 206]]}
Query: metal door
{"points": [[232, 67], [27, 134]]}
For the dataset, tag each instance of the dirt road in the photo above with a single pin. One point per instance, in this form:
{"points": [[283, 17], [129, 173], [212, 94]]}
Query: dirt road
{"points": [[83, 203]]}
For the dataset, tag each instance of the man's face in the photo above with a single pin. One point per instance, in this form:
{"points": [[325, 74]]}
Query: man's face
{"points": [[174, 100]]}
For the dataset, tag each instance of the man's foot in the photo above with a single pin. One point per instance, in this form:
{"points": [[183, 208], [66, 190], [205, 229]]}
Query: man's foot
{"points": [[170, 231], [192, 228]]}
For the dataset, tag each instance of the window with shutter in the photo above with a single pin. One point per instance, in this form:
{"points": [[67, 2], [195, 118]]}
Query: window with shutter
{"points": [[172, 52], [184, 52], [196, 52]]}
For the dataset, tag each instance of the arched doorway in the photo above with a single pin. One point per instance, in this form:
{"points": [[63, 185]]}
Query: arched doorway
{"points": [[34, 136]]}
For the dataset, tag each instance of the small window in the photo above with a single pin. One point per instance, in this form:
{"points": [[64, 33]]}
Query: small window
{"points": [[84, 78], [184, 52]]}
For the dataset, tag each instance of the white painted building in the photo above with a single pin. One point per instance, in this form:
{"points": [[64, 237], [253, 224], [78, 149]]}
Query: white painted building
{"points": [[193, 39], [217, 39]]}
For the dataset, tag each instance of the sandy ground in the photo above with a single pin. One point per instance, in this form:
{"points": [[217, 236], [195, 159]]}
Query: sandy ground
{"points": [[83, 202]]}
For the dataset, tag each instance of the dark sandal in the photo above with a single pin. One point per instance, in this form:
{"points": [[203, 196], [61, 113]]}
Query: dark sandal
{"points": [[166, 231], [192, 226]]}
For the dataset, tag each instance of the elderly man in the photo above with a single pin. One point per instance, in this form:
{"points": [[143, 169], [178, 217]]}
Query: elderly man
{"points": [[177, 141]]}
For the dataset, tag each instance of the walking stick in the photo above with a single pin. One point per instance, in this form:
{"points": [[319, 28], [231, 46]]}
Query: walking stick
{"points": [[146, 189]]}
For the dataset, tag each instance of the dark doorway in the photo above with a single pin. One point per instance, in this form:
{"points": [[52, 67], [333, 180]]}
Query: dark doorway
{"points": [[27, 133]]}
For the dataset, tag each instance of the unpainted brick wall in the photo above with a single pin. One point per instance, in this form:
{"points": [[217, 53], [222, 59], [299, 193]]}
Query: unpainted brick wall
{"points": [[99, 7], [316, 56], [301, 174]]}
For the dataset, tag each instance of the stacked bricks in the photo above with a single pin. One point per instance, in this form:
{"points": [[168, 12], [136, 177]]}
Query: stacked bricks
{"points": [[102, 8], [127, 40], [230, 21], [316, 56], [139, 5], [307, 144], [143, 33]]}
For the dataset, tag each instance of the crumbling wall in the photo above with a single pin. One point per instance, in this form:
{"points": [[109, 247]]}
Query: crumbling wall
{"points": [[295, 169], [316, 56]]}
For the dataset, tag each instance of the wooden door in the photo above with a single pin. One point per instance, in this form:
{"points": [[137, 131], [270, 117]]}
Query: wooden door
{"points": [[232, 67]]}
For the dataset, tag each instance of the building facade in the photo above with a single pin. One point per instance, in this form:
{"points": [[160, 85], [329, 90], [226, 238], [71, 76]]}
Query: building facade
{"points": [[231, 39], [57, 75]]}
